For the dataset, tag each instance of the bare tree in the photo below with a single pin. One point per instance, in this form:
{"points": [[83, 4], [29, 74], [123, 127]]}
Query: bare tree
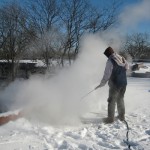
{"points": [[14, 36], [48, 47], [73, 16], [101, 19], [137, 45], [52, 28], [44, 16], [78, 17]]}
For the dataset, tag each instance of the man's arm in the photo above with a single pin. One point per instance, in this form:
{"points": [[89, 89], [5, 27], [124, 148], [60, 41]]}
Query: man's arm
{"points": [[107, 74]]}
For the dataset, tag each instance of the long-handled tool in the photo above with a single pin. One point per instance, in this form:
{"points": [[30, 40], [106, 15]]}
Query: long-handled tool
{"points": [[90, 92], [86, 95]]}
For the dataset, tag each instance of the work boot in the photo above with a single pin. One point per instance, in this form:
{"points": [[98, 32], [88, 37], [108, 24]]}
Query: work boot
{"points": [[121, 117], [108, 120]]}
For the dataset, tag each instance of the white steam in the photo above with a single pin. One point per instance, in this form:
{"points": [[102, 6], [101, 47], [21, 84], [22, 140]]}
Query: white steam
{"points": [[134, 14], [58, 99], [128, 20]]}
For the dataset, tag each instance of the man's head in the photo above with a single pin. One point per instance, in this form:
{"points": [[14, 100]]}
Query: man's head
{"points": [[108, 51]]}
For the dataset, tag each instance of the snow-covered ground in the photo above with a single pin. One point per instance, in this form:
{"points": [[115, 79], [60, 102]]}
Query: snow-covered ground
{"points": [[25, 134]]}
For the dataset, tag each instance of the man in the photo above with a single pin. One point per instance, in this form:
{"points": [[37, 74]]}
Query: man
{"points": [[115, 74]]}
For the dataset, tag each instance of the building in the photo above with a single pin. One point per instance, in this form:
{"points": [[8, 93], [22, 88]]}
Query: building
{"points": [[24, 68]]}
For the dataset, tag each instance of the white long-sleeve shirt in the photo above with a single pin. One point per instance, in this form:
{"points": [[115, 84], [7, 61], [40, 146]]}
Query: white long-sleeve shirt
{"points": [[107, 73]]}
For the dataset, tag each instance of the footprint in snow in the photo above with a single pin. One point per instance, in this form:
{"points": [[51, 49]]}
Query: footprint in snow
{"points": [[82, 147], [108, 145], [64, 145], [73, 135], [147, 132]]}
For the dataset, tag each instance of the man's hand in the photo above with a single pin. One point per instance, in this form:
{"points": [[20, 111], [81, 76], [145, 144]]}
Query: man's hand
{"points": [[97, 87]]}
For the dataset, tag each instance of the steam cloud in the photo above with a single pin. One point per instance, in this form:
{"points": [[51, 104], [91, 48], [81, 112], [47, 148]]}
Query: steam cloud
{"points": [[58, 99], [134, 14]]}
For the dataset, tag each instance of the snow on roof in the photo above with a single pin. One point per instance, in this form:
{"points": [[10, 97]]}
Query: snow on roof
{"points": [[40, 63], [37, 62]]}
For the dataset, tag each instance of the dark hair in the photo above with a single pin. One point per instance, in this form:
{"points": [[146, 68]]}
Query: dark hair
{"points": [[108, 51]]}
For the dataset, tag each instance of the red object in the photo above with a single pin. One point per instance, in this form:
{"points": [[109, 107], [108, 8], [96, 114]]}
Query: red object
{"points": [[6, 119]]}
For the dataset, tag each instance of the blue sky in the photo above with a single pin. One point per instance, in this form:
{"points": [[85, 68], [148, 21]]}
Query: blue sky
{"points": [[143, 26]]}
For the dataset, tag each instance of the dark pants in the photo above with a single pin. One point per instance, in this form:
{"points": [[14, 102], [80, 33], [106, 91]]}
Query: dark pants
{"points": [[116, 95]]}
